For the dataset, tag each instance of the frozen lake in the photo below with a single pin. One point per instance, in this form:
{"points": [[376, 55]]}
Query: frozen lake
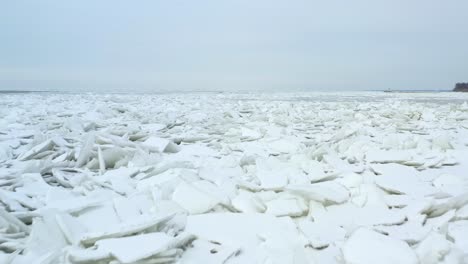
{"points": [[326, 177]]}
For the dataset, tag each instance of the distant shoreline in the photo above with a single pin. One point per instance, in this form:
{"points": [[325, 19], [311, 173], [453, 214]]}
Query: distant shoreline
{"points": [[169, 92], [21, 91], [417, 91]]}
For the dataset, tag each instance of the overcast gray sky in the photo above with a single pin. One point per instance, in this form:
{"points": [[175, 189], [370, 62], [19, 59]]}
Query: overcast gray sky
{"points": [[233, 44]]}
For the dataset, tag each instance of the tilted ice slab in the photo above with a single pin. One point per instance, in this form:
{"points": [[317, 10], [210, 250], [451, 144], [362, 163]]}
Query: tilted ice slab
{"points": [[401, 180], [133, 248], [324, 192], [365, 246]]}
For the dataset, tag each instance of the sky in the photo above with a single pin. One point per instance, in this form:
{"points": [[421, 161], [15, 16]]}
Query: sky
{"points": [[233, 45]]}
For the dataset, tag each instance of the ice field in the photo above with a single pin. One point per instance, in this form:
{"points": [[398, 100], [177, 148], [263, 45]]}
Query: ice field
{"points": [[363, 177]]}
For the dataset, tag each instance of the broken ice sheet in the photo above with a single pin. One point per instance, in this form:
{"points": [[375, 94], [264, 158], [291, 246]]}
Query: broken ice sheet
{"points": [[160, 145], [400, 179], [133, 248], [211, 252], [250, 232], [367, 246], [282, 178], [321, 234], [389, 156], [286, 206], [457, 231], [324, 192], [193, 198]]}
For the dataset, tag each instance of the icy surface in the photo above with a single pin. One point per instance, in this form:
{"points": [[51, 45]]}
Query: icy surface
{"points": [[234, 178]]}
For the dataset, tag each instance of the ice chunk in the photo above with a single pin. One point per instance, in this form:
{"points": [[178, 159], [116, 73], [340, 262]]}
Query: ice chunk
{"points": [[10, 223], [257, 234], [86, 150], [283, 146], [321, 234], [358, 216], [133, 248], [462, 213], [450, 183], [433, 248], [410, 231], [192, 199], [71, 228], [249, 134], [46, 145], [46, 238], [442, 142], [452, 203], [160, 145], [248, 202], [286, 206], [367, 246], [388, 156], [315, 171], [210, 252], [324, 192], [124, 229], [272, 173], [457, 231], [341, 165], [404, 182]]}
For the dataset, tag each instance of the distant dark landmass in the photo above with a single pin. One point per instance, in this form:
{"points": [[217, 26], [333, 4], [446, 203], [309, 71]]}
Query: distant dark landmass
{"points": [[461, 87], [19, 91]]}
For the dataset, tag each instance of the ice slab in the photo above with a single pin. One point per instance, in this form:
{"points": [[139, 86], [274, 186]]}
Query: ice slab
{"points": [[324, 192], [249, 231], [457, 231], [160, 145], [193, 199], [133, 248], [367, 246]]}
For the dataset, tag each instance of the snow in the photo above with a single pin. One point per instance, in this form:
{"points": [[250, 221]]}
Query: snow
{"points": [[362, 177]]}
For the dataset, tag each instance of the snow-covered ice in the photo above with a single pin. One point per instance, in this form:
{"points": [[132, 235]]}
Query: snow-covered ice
{"points": [[363, 177]]}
